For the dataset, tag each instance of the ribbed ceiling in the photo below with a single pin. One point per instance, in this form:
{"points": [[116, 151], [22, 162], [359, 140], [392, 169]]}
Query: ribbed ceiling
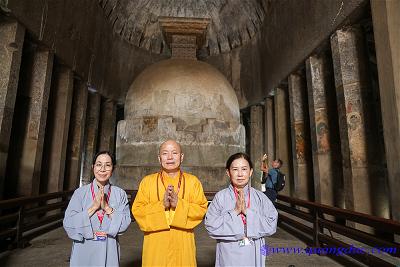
{"points": [[232, 22]]}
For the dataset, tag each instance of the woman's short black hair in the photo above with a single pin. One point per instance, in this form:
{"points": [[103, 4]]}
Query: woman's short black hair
{"points": [[238, 156], [104, 152]]}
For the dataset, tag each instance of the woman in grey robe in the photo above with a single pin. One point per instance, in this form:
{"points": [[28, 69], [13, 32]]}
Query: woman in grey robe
{"points": [[239, 217], [96, 214]]}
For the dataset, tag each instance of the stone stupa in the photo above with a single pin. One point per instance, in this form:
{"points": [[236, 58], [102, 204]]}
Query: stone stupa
{"points": [[183, 99]]}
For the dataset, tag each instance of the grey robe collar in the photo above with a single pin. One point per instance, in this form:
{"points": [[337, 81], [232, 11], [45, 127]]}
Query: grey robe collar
{"points": [[96, 188], [245, 189]]}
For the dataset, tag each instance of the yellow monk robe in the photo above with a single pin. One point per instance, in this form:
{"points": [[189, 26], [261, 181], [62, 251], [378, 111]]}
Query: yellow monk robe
{"points": [[168, 234]]}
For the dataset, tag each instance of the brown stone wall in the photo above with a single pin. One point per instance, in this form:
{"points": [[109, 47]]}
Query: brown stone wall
{"points": [[386, 23], [56, 136], [76, 136], [282, 137], [11, 44], [300, 136], [91, 136], [256, 142], [82, 37]]}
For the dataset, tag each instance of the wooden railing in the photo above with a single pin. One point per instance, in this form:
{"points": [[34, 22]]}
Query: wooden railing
{"points": [[24, 218], [314, 223]]}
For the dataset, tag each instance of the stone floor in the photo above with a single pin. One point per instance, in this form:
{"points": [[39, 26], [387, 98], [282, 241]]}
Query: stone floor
{"points": [[53, 249]]}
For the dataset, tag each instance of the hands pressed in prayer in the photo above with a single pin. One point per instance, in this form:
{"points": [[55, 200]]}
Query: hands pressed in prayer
{"points": [[97, 202], [170, 197], [243, 204], [100, 202], [173, 199], [240, 206], [103, 201], [166, 200]]}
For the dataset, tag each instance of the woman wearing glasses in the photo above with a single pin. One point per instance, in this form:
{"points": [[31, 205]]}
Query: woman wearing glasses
{"points": [[96, 214]]}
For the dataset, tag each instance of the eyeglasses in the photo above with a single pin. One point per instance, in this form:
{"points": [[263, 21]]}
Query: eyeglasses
{"points": [[107, 166]]}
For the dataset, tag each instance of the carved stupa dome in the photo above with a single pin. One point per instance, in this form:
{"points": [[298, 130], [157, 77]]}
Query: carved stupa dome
{"points": [[185, 89]]}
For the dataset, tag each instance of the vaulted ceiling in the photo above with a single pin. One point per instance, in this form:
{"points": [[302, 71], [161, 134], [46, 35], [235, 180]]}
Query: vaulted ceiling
{"points": [[107, 43], [232, 22]]}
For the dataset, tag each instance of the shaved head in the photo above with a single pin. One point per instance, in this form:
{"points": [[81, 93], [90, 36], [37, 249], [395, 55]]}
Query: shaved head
{"points": [[170, 142], [170, 156]]}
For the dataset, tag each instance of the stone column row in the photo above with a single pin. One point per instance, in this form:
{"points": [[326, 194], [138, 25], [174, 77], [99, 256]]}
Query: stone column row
{"points": [[334, 101], [325, 125], [356, 179], [270, 134], [363, 160], [331, 114], [326, 159], [43, 127], [11, 44], [100, 132]]}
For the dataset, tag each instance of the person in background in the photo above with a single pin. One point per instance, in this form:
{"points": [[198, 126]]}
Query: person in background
{"points": [[270, 176]]}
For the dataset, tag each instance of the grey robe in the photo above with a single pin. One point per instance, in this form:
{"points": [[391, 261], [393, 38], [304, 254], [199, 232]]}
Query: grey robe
{"points": [[80, 228], [224, 225]]}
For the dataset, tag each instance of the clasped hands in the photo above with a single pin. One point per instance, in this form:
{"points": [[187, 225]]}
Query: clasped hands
{"points": [[170, 198], [240, 206], [100, 202]]}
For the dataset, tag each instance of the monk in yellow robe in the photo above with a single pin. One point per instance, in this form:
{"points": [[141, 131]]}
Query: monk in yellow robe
{"points": [[167, 207]]}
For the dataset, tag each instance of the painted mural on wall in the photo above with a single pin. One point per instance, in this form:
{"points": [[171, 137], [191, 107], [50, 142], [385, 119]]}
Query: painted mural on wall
{"points": [[355, 125], [357, 138], [354, 121], [318, 87], [300, 142], [351, 124], [322, 129]]}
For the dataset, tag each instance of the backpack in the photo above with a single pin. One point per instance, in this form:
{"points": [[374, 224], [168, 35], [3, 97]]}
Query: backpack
{"points": [[280, 181]]}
